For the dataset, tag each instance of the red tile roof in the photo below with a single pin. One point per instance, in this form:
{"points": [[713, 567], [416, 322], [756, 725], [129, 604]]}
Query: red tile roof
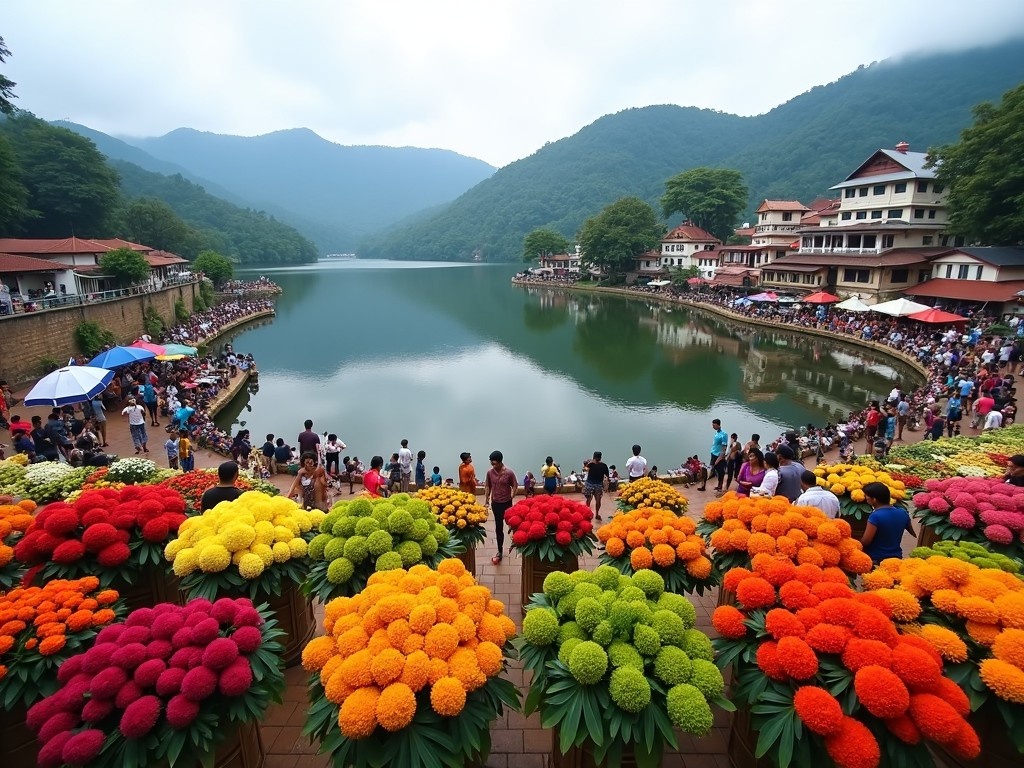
{"points": [[968, 290], [690, 232], [12, 263], [824, 203], [782, 205], [163, 259], [59, 246]]}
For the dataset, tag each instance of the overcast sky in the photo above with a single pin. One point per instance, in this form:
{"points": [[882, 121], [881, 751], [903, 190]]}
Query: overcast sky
{"points": [[493, 79]]}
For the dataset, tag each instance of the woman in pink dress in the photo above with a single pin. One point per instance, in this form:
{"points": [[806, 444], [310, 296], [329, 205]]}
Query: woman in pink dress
{"points": [[751, 473]]}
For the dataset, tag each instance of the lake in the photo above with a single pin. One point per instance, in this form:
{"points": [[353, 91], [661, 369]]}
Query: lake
{"points": [[455, 358]]}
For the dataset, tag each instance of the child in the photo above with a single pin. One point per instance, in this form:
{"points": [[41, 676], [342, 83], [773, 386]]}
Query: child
{"points": [[188, 459], [394, 470], [653, 474], [529, 482], [421, 471], [268, 456], [171, 446], [613, 478], [435, 477]]}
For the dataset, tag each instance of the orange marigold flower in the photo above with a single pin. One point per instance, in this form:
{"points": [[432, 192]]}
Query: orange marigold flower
{"points": [[781, 623], [985, 634], [952, 694], [795, 595], [978, 609], [945, 600], [936, 719], [635, 539], [441, 641], [1009, 647], [818, 709], [872, 624], [945, 641], [448, 697], [615, 547], [1011, 609], [861, 653], [416, 673], [31, 644], [761, 542], [664, 555], [463, 666], [396, 707], [881, 692], [853, 745], [828, 638], [689, 550], [914, 666], [337, 688], [51, 645], [422, 618], [438, 669], [728, 621], [3, 671], [641, 558], [856, 561], [829, 533], [904, 606], [733, 577], [330, 668], [769, 662], [79, 620], [358, 715], [810, 617], [699, 568], [493, 629], [754, 592], [809, 556], [489, 658], [6, 643], [874, 601], [103, 616], [356, 669], [387, 666], [1005, 680], [965, 744], [903, 728], [797, 658], [317, 653], [107, 597]]}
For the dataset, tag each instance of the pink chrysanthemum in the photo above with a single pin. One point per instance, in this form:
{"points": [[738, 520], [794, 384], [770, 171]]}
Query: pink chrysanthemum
{"points": [[140, 717], [962, 518], [999, 534], [939, 505], [1012, 520]]}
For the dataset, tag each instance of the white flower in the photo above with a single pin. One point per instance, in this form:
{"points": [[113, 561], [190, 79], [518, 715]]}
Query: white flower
{"points": [[47, 471], [131, 470]]}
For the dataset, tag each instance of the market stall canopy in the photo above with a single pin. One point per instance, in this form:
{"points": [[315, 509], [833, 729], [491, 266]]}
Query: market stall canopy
{"points": [[115, 357], [765, 296], [659, 283], [70, 385], [900, 307], [821, 297], [180, 349], [156, 349], [695, 280], [937, 316], [853, 304]]}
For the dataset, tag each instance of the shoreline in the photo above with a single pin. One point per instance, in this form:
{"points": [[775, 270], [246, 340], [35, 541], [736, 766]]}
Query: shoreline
{"points": [[207, 340]]}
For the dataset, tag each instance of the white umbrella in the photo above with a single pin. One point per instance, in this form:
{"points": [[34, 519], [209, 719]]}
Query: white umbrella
{"points": [[900, 307], [853, 304], [66, 386], [659, 283]]}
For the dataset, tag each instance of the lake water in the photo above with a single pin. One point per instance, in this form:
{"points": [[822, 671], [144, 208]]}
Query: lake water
{"points": [[455, 358]]}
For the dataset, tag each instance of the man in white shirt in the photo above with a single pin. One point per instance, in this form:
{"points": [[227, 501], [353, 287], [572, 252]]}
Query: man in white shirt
{"points": [[815, 496], [994, 420], [405, 465], [636, 465]]}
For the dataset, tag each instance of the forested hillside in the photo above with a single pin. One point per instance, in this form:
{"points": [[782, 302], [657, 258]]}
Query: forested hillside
{"points": [[797, 150]]}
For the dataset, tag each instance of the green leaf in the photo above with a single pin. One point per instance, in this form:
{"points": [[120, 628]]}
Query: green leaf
{"points": [[769, 733]]}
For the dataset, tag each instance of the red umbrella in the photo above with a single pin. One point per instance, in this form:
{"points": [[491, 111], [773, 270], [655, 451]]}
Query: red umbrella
{"points": [[936, 316], [695, 280], [156, 349], [821, 297]]}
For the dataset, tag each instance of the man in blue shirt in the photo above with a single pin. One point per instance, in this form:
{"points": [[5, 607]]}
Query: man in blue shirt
{"points": [[883, 536], [719, 453]]}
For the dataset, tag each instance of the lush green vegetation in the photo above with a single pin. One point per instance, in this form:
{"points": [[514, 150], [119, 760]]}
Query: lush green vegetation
{"points": [[91, 337], [626, 228], [214, 266], [126, 266], [711, 198], [544, 242], [796, 151]]}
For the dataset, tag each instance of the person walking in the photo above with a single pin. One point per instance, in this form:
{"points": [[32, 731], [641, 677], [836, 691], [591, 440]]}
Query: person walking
{"points": [[595, 482], [719, 455], [405, 466], [467, 474], [636, 465], [550, 473], [136, 424], [99, 418], [734, 460], [500, 487], [150, 399]]}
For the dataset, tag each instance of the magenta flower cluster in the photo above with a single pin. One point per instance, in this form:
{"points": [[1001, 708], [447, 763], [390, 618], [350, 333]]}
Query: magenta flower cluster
{"points": [[986, 505]]}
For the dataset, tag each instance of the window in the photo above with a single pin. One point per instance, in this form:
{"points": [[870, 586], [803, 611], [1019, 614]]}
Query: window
{"points": [[931, 213], [887, 241], [978, 271], [927, 240], [764, 217], [900, 275], [919, 213], [922, 186], [853, 241], [862, 215], [876, 214], [847, 216], [787, 216], [869, 241], [879, 189], [937, 188], [856, 276], [923, 275], [962, 270], [895, 213], [851, 192], [863, 191], [943, 240], [900, 188], [949, 271]]}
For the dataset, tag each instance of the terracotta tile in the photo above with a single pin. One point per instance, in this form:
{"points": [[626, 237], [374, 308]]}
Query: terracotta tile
{"points": [[280, 761], [269, 734], [278, 714], [699, 761], [507, 741], [535, 740], [497, 761], [285, 742], [313, 761]]}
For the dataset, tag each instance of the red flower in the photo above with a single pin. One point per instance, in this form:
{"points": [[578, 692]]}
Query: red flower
{"points": [[966, 743], [810, 617], [872, 625], [220, 653], [881, 692], [733, 577], [62, 721], [166, 624], [159, 649], [114, 555], [828, 589], [563, 538], [861, 653], [828, 638], [128, 694], [853, 746], [952, 694], [248, 616], [156, 530], [248, 639], [818, 709], [903, 728], [129, 656], [99, 536], [795, 595], [237, 678], [70, 667], [59, 522], [181, 711], [797, 658], [916, 668], [936, 719], [924, 645], [96, 710], [148, 672], [769, 662], [780, 623], [729, 622], [108, 682], [51, 754], [169, 682], [83, 747], [140, 716], [755, 592], [224, 611], [70, 551], [205, 631], [520, 537], [199, 683]]}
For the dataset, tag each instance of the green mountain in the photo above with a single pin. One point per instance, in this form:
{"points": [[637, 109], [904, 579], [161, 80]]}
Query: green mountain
{"points": [[358, 189], [797, 150]]}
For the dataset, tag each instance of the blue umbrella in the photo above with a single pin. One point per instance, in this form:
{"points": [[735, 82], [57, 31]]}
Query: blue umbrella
{"points": [[67, 386], [118, 356]]}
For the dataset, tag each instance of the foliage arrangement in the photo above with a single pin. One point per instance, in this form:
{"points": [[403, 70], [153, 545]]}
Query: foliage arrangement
{"points": [[363, 536], [973, 616], [847, 482], [164, 687], [969, 552], [551, 527], [661, 541], [983, 455], [654, 494], [42, 482], [617, 663], [192, 486], [408, 672], [125, 266], [110, 534], [214, 266], [544, 241], [14, 521], [827, 675], [40, 627], [459, 512], [152, 322], [740, 528], [181, 313], [983, 510], [131, 471], [255, 545]]}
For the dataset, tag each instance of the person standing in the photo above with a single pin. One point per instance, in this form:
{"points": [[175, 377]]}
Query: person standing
{"points": [[815, 496], [373, 481], [789, 473], [332, 453], [595, 482], [636, 465], [751, 473], [99, 418], [405, 465], [150, 399], [186, 456], [883, 535], [171, 446], [308, 440], [421, 470], [954, 414], [550, 473], [500, 486], [467, 474], [874, 415], [733, 461], [225, 490], [136, 424], [719, 454], [902, 411]]}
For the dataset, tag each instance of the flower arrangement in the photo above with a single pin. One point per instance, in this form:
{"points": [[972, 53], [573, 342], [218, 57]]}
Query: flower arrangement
{"points": [[255, 545], [969, 552], [661, 541], [739, 528], [14, 521], [459, 512], [617, 663], [192, 486], [848, 480], [42, 482], [812, 654], [106, 533], [983, 510], [551, 527], [983, 455], [20, 459], [40, 627], [408, 671], [163, 687], [655, 494], [974, 616], [131, 471], [363, 536]]}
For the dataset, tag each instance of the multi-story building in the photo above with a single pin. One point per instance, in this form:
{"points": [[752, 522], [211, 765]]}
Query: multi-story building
{"points": [[684, 247], [975, 275], [562, 264], [777, 227]]}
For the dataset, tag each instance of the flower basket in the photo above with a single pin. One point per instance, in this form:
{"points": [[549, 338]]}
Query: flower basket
{"points": [[192, 486], [847, 481], [614, 675], [117, 536], [654, 494], [982, 510], [581, 757], [661, 541], [468, 558], [293, 611], [20, 747], [408, 674], [171, 686], [459, 512], [535, 570], [14, 521], [743, 743], [132, 471], [364, 536], [999, 749], [547, 528], [43, 482], [827, 676]]}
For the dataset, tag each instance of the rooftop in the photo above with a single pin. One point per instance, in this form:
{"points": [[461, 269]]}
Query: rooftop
{"points": [[63, 245], [782, 205], [689, 232], [11, 263], [967, 290], [997, 256]]}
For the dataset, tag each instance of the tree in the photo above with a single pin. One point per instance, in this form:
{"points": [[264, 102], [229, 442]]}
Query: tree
{"points": [[154, 223], [6, 85], [13, 195], [711, 198], [214, 266], [624, 229], [126, 266], [681, 274], [543, 242], [984, 173]]}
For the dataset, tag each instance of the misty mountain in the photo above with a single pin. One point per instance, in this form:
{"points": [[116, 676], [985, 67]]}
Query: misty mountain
{"points": [[795, 151]]}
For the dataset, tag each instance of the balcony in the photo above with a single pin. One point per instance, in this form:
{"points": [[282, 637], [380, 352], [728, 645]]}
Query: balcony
{"points": [[839, 250], [760, 228]]}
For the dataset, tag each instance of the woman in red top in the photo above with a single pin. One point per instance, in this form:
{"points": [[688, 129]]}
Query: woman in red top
{"points": [[372, 480]]}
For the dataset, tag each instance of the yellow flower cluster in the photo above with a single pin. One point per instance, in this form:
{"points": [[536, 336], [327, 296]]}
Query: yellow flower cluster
{"points": [[252, 532], [653, 494], [850, 479], [408, 630], [454, 508], [20, 459], [988, 601]]}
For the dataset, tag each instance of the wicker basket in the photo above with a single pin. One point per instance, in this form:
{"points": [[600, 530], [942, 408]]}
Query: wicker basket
{"points": [[535, 569]]}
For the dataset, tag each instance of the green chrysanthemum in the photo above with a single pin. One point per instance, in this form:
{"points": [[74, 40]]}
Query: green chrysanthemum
{"points": [[440, 534], [356, 550], [632, 592], [389, 561], [606, 577], [588, 662], [589, 613], [697, 645], [581, 577], [629, 689], [346, 526], [318, 545], [669, 627], [557, 585], [707, 679], [622, 654], [410, 552], [335, 548], [689, 710], [399, 522], [330, 519], [429, 545], [418, 508], [569, 630], [652, 584], [340, 570], [379, 542], [359, 507], [540, 626], [672, 666], [565, 649], [646, 640], [420, 528], [680, 606], [366, 526], [608, 599], [603, 634]]}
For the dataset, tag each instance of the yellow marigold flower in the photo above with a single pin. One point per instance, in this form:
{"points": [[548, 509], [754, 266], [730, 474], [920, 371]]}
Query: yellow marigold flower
{"points": [[451, 566], [982, 633], [358, 716], [298, 547], [281, 552], [1009, 647], [441, 641], [172, 548], [238, 537], [317, 653], [250, 566], [904, 605], [264, 532], [337, 688], [413, 642], [978, 609], [893, 565], [955, 570], [186, 562], [946, 642], [448, 697], [930, 578], [438, 669], [508, 627], [1011, 609], [416, 673], [878, 579], [214, 558], [396, 707], [489, 658], [463, 666], [264, 552], [945, 600], [1005, 680]]}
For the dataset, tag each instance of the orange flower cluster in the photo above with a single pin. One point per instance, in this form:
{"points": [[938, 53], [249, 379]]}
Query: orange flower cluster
{"points": [[989, 602], [813, 612], [41, 620], [405, 631], [776, 527], [656, 538], [14, 520]]}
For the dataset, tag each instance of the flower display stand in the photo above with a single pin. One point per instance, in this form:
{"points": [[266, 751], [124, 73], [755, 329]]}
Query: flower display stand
{"points": [[997, 749], [294, 613], [19, 743], [243, 749], [154, 585], [857, 527], [580, 757], [926, 536], [535, 570], [743, 743], [468, 559], [726, 596]]}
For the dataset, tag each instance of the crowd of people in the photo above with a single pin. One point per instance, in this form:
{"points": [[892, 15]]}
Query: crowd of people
{"points": [[208, 323], [261, 284]]}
